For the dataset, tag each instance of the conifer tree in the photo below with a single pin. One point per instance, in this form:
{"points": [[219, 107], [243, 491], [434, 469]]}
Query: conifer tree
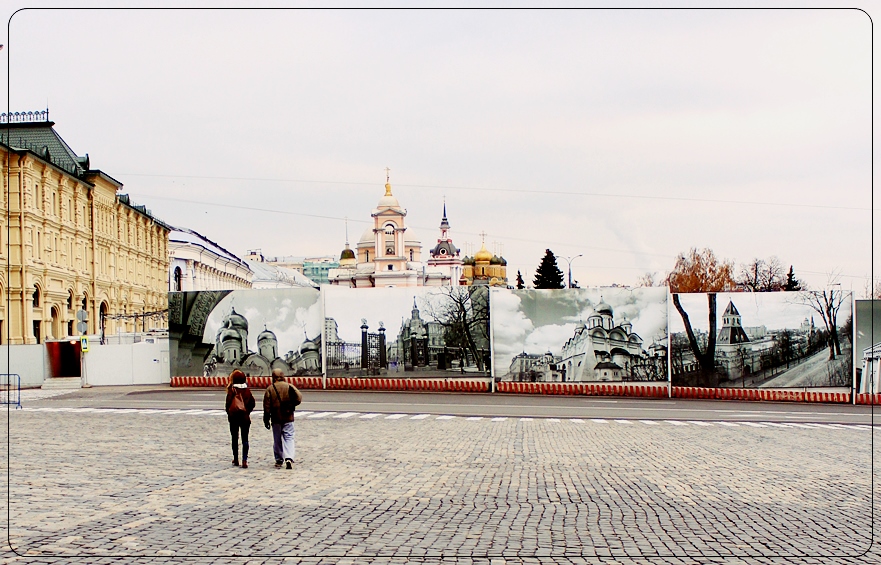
{"points": [[520, 284], [791, 283], [548, 274]]}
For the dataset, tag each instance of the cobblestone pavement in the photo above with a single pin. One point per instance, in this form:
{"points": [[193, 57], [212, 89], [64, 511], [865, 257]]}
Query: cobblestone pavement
{"points": [[151, 486]]}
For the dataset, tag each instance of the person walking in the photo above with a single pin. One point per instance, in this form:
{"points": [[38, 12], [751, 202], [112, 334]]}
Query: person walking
{"points": [[279, 402], [239, 405]]}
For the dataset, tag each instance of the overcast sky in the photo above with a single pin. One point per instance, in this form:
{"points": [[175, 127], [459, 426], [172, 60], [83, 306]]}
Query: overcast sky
{"points": [[622, 136]]}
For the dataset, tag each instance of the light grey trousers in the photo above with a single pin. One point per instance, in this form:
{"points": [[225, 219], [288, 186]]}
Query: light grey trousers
{"points": [[283, 441]]}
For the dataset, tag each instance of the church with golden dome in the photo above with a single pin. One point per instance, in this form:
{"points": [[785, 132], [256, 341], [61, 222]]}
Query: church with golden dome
{"points": [[485, 269], [386, 256]]}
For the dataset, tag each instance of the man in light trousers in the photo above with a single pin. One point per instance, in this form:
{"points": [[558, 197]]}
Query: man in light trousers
{"points": [[279, 402]]}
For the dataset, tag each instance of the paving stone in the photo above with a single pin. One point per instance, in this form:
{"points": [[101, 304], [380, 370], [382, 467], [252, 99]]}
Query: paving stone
{"points": [[113, 487]]}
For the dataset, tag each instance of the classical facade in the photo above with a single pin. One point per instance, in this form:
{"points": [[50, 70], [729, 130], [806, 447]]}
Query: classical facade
{"points": [[74, 242], [197, 263], [385, 256], [531, 367]]}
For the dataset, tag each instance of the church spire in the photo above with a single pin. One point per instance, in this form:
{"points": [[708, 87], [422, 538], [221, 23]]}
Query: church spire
{"points": [[445, 224]]}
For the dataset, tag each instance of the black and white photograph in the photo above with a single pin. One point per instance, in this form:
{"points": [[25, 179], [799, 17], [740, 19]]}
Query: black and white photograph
{"points": [[407, 332], [762, 339], [867, 352], [580, 335], [255, 331]]}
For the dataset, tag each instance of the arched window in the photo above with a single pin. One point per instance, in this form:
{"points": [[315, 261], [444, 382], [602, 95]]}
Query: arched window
{"points": [[103, 313], [70, 300], [411, 254], [178, 276], [36, 297], [389, 239]]}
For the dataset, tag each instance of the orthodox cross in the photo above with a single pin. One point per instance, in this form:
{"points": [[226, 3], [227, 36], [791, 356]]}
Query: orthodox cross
{"points": [[482, 237], [387, 174]]}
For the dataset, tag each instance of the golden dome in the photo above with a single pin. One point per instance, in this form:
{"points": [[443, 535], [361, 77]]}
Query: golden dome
{"points": [[388, 200], [483, 255]]}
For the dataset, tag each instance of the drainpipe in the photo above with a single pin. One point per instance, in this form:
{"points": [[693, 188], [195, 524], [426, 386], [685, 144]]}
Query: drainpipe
{"points": [[21, 258], [94, 314]]}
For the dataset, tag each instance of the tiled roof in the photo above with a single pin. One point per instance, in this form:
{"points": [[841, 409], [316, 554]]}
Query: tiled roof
{"points": [[42, 139]]}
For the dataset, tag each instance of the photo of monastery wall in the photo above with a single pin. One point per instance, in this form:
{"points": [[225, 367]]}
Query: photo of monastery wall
{"points": [[762, 339], [407, 332], [580, 335], [868, 346], [213, 333]]}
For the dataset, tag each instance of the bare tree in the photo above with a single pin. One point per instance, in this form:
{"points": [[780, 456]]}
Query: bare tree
{"points": [[464, 314], [761, 275], [871, 292], [648, 279], [827, 304]]}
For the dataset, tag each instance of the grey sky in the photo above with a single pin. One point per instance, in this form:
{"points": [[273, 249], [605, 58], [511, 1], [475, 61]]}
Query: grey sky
{"points": [[526, 121]]}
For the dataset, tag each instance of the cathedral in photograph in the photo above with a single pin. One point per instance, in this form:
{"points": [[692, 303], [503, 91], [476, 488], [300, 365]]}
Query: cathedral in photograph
{"points": [[605, 349], [231, 352]]}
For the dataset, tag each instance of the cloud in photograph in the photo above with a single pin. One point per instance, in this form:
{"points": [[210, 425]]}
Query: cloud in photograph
{"points": [[293, 315]]}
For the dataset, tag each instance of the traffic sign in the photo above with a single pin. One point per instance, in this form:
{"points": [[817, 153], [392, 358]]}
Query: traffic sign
{"points": [[84, 343], [82, 327], [82, 315]]}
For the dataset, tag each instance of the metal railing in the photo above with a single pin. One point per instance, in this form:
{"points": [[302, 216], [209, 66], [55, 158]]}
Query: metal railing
{"points": [[10, 389]]}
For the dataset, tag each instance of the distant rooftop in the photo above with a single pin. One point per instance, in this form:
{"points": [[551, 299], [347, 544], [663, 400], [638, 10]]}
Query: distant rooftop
{"points": [[185, 235]]}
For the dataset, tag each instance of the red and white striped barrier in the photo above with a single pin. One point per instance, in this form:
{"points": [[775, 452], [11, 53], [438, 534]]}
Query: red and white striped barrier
{"points": [[866, 398], [757, 394], [584, 389], [253, 382], [580, 389], [408, 384]]}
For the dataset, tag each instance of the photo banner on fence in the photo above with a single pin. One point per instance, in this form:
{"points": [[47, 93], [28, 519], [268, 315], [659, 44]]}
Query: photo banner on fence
{"points": [[212, 333], [767, 340], [580, 335]]}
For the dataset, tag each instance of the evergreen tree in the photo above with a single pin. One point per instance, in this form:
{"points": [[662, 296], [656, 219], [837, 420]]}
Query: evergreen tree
{"points": [[520, 284], [791, 283], [548, 274]]}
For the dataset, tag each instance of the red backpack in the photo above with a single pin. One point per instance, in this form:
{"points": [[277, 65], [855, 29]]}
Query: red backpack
{"points": [[237, 405]]}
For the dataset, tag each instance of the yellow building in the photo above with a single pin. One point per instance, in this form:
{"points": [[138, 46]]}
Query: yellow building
{"points": [[70, 242], [485, 268]]}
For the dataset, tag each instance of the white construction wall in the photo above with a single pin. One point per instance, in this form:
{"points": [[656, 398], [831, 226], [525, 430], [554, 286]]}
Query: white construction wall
{"points": [[129, 364], [31, 362]]}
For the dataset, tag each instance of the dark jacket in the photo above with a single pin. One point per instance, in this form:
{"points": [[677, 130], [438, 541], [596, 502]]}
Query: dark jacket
{"points": [[247, 398], [277, 395]]}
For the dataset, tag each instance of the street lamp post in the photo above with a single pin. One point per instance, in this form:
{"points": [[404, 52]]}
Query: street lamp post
{"points": [[569, 264]]}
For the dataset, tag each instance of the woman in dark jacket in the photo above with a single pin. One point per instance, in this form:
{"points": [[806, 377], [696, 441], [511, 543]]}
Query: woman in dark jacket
{"points": [[239, 404]]}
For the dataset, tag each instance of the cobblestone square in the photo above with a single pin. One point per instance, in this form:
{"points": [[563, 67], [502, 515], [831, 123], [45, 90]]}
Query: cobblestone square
{"points": [[148, 485]]}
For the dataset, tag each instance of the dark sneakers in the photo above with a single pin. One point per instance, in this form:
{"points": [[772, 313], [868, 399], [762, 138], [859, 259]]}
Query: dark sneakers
{"points": [[289, 463], [278, 464], [244, 464], [235, 462]]}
